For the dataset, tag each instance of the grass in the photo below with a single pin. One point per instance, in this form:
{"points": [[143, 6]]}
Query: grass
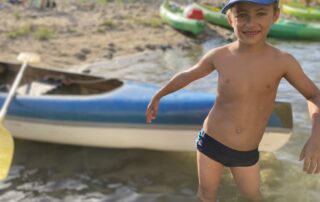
{"points": [[107, 23], [41, 33], [17, 15], [71, 30], [22, 31], [153, 22], [101, 2]]}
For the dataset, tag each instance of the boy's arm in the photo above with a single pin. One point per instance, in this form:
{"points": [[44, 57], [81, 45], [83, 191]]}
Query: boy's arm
{"points": [[180, 80], [311, 150]]}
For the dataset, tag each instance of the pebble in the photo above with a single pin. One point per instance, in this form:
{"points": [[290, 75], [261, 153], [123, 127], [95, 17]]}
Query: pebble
{"points": [[108, 56], [165, 47], [115, 185], [85, 51], [80, 56], [150, 47], [138, 48]]}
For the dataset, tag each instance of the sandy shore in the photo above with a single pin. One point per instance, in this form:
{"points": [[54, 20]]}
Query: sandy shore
{"points": [[80, 33]]}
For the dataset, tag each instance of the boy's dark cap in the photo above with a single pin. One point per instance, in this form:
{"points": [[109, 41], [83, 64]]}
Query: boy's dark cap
{"points": [[232, 2]]}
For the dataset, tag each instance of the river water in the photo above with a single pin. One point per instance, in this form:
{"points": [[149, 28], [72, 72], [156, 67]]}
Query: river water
{"points": [[52, 172]]}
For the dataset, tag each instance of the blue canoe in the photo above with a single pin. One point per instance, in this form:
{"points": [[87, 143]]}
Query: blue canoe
{"points": [[80, 109]]}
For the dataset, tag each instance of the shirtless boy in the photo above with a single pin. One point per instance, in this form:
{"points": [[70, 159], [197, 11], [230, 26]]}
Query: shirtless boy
{"points": [[249, 73]]}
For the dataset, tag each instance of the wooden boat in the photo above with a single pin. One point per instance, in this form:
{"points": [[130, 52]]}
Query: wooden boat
{"points": [[283, 28], [172, 14], [301, 11], [80, 109]]}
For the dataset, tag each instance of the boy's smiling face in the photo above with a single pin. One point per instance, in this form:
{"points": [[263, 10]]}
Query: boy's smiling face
{"points": [[251, 22]]}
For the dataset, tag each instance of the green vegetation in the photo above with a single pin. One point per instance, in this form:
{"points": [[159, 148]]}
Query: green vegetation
{"points": [[17, 15], [84, 1], [22, 31], [101, 1], [107, 23], [71, 30], [153, 22], [101, 29], [41, 33]]}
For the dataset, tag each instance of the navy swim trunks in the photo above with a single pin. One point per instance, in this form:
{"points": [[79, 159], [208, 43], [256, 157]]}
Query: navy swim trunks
{"points": [[225, 155]]}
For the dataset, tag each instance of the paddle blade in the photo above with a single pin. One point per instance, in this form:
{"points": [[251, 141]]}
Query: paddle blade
{"points": [[6, 151], [29, 57]]}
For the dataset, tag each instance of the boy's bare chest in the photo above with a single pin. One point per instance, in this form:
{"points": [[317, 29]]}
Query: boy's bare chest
{"points": [[248, 79]]}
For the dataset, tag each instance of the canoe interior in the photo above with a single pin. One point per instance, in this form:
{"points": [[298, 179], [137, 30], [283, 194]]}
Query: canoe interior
{"points": [[60, 82], [174, 7]]}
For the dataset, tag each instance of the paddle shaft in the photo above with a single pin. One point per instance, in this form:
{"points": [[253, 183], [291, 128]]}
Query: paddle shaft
{"points": [[12, 92]]}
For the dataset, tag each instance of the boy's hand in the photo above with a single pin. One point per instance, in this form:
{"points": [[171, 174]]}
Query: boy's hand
{"points": [[311, 155], [152, 110]]}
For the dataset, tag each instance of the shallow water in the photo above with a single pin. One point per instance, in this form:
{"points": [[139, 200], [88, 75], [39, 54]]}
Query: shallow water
{"points": [[51, 172]]}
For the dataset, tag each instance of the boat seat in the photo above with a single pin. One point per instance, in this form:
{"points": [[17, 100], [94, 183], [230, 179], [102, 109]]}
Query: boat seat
{"points": [[36, 88]]}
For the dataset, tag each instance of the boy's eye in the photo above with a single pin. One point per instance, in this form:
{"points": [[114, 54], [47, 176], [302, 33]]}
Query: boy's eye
{"points": [[261, 13], [241, 15]]}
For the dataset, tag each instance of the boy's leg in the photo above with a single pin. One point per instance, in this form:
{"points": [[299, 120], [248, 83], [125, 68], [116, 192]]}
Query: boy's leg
{"points": [[209, 174], [248, 181]]}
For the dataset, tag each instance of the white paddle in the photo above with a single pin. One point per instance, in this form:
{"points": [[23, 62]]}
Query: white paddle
{"points": [[6, 140]]}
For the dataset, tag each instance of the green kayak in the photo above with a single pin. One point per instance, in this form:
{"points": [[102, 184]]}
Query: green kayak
{"points": [[283, 28], [300, 10], [172, 14]]}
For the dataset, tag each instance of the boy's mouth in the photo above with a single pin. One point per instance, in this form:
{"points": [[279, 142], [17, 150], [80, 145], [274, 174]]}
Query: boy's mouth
{"points": [[251, 33]]}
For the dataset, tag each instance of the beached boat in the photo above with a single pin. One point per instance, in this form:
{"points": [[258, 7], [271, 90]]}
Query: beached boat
{"points": [[172, 14], [301, 11], [283, 28], [80, 109]]}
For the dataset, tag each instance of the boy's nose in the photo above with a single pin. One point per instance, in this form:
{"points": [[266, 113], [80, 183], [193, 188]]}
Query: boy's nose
{"points": [[251, 21]]}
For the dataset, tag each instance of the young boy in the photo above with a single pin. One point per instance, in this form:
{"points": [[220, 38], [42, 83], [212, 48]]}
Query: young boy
{"points": [[249, 70]]}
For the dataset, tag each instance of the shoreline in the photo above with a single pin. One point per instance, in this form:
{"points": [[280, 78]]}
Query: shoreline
{"points": [[76, 33]]}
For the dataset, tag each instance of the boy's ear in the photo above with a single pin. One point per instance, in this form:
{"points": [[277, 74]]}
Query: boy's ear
{"points": [[230, 20], [276, 15]]}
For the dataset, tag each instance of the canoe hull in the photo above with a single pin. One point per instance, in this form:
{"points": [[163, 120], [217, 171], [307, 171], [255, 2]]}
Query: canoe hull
{"points": [[179, 22], [301, 11], [166, 138], [115, 117]]}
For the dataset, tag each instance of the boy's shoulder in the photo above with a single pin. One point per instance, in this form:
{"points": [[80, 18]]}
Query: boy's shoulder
{"points": [[283, 59], [227, 51], [276, 50], [219, 50], [281, 54]]}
